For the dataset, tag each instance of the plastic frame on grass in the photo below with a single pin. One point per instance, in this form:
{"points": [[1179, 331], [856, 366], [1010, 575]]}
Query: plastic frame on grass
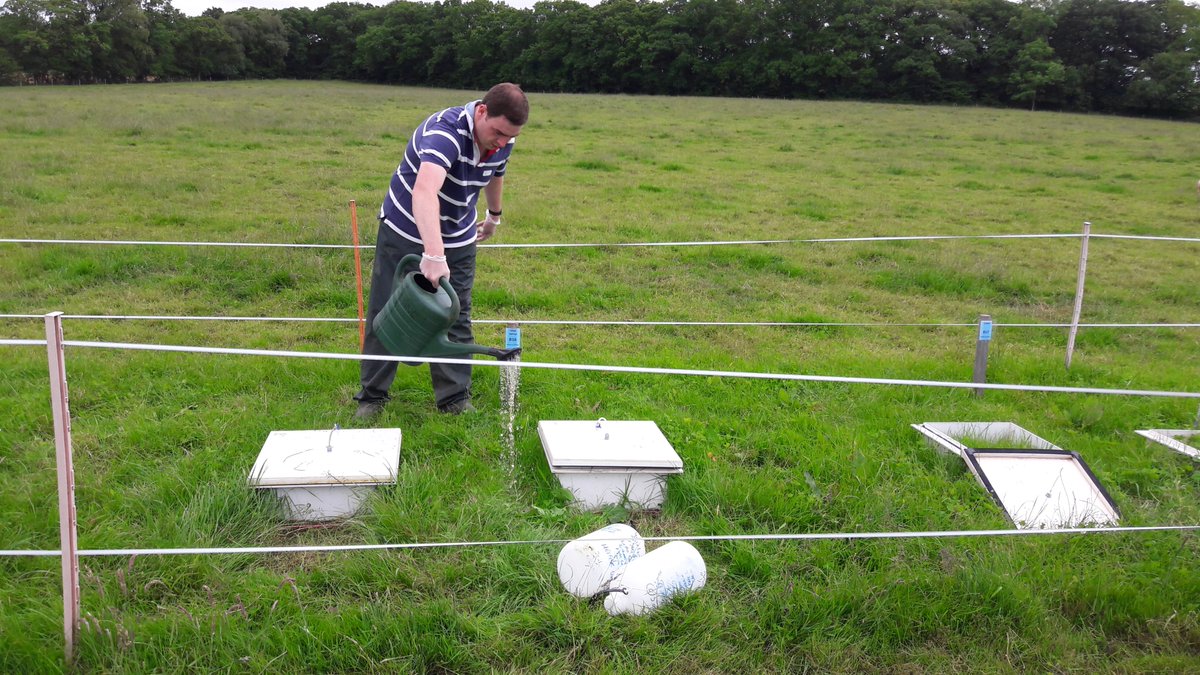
{"points": [[1041, 489], [949, 436], [1170, 438], [1037, 484]]}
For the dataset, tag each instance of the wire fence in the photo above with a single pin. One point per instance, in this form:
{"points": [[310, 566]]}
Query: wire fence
{"points": [[805, 536], [626, 244], [627, 322], [70, 552], [610, 322], [692, 372], [777, 537]]}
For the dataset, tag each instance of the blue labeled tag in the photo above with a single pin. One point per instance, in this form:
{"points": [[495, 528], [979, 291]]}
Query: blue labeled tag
{"points": [[512, 338], [985, 330]]}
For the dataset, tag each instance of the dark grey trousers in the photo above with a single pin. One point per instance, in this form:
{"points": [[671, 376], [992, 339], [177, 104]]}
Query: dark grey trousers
{"points": [[451, 382]]}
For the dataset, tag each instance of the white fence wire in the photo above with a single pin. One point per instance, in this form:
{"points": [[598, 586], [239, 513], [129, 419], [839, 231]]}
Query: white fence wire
{"points": [[193, 349], [612, 322], [806, 536], [814, 240]]}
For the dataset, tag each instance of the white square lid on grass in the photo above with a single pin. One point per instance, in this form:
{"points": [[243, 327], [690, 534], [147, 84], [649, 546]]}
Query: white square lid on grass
{"points": [[1041, 489], [1171, 438], [327, 457], [605, 444], [1038, 484]]}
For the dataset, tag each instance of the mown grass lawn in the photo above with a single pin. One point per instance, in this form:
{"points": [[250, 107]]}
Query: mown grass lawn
{"points": [[164, 441]]}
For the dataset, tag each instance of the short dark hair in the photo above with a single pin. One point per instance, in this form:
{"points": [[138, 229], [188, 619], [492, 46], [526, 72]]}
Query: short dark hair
{"points": [[507, 99]]}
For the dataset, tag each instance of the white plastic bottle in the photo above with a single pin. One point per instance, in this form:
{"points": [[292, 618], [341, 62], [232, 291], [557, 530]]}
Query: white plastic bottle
{"points": [[651, 580], [587, 564]]}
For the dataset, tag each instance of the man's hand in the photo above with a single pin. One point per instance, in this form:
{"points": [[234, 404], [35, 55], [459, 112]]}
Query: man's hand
{"points": [[434, 269], [487, 227]]}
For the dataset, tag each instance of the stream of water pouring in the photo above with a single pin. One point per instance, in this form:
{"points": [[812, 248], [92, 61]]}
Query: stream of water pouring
{"points": [[510, 380]]}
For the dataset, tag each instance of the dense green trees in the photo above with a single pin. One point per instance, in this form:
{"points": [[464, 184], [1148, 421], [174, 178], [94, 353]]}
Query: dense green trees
{"points": [[1105, 55], [1036, 69]]}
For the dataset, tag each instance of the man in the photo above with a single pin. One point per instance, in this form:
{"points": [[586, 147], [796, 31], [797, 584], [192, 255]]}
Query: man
{"points": [[430, 210]]}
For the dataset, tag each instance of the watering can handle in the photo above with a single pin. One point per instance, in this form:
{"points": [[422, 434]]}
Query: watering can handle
{"points": [[412, 259], [455, 307]]}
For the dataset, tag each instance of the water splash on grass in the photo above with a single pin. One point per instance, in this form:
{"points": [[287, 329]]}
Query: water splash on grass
{"points": [[510, 381]]}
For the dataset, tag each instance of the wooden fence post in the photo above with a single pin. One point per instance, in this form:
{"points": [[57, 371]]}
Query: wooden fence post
{"points": [[66, 480]]}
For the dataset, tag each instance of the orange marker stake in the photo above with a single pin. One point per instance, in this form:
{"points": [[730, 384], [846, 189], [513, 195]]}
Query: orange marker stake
{"points": [[362, 326]]}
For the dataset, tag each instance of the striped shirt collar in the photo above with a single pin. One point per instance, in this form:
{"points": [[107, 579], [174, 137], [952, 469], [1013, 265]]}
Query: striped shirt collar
{"points": [[469, 112]]}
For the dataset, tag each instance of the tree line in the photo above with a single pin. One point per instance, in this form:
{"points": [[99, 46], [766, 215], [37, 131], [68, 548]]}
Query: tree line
{"points": [[1115, 56]]}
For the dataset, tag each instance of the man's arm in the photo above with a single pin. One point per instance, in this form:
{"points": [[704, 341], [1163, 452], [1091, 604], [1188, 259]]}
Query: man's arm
{"points": [[494, 191], [427, 212]]}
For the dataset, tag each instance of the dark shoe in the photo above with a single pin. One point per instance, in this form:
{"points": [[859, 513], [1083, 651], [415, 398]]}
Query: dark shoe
{"points": [[457, 407], [369, 409]]}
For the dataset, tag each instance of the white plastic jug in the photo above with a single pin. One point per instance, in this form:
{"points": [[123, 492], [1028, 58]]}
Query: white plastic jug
{"points": [[587, 564], [651, 580]]}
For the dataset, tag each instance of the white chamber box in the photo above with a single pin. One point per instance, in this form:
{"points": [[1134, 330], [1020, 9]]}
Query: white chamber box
{"points": [[606, 462], [325, 474]]}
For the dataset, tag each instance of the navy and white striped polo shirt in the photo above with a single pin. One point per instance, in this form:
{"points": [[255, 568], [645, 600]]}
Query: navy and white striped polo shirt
{"points": [[447, 138]]}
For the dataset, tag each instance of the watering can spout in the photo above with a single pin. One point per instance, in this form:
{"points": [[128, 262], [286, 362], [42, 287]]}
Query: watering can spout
{"points": [[505, 354], [415, 319], [444, 347]]}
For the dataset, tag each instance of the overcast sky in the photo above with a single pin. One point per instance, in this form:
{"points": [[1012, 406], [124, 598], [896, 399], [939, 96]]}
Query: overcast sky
{"points": [[195, 7]]}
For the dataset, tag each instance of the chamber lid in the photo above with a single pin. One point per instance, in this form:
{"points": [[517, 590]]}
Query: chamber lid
{"points": [[1043, 488], [957, 437], [327, 457], [607, 444], [1173, 439]]}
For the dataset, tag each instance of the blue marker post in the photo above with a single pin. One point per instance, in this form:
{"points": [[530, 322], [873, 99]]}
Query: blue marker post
{"points": [[981, 351]]}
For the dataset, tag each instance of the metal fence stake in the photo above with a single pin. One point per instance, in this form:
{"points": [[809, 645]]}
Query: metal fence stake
{"points": [[981, 351], [66, 480], [1083, 253]]}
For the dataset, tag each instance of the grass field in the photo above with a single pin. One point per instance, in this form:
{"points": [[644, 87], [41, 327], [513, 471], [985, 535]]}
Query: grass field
{"points": [[163, 442]]}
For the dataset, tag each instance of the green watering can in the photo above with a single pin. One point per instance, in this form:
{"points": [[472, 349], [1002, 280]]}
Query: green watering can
{"points": [[415, 319]]}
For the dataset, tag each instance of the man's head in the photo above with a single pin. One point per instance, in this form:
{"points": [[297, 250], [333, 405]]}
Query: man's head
{"points": [[500, 116]]}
